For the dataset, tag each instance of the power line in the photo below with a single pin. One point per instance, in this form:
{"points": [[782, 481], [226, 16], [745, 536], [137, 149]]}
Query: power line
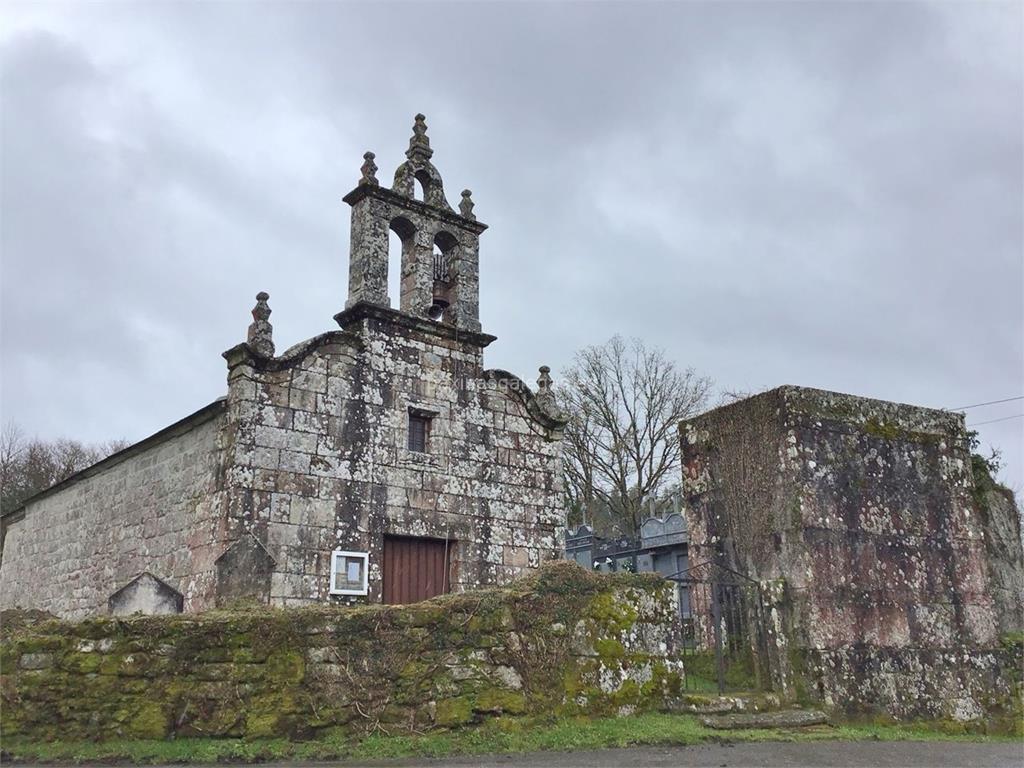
{"points": [[991, 402], [993, 421]]}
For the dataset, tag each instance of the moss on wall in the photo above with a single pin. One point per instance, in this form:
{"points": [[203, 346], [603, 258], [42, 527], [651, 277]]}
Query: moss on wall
{"points": [[561, 641]]}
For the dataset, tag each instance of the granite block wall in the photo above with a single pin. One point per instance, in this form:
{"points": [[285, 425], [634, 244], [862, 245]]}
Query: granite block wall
{"points": [[154, 507], [865, 511], [318, 440], [320, 458]]}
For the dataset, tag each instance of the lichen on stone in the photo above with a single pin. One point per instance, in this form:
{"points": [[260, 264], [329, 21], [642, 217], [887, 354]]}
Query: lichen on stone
{"points": [[563, 640]]}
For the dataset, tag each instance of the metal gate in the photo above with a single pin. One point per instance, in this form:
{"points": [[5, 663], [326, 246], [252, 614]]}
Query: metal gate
{"points": [[724, 645], [415, 569]]}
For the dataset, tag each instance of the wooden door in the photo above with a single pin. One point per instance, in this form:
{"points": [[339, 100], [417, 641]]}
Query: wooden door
{"points": [[415, 569]]}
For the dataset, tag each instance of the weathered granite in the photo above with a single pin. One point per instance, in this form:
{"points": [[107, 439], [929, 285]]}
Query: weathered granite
{"points": [[154, 507], [146, 594], [319, 458], [997, 509], [561, 642], [787, 718], [858, 518]]}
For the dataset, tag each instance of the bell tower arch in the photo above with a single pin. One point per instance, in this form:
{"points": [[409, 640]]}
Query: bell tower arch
{"points": [[440, 278]]}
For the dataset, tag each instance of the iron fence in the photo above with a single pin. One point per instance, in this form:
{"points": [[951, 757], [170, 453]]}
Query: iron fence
{"points": [[723, 641]]}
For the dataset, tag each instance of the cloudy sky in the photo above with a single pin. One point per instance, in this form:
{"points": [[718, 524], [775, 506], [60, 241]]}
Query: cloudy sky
{"points": [[820, 194]]}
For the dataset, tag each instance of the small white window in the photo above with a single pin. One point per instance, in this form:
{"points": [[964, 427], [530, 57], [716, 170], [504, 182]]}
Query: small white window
{"points": [[348, 573]]}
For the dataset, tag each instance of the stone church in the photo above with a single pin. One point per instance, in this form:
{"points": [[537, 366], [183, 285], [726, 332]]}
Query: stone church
{"points": [[379, 461]]}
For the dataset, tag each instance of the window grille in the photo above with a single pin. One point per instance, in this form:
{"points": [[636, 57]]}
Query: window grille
{"points": [[419, 427], [441, 268]]}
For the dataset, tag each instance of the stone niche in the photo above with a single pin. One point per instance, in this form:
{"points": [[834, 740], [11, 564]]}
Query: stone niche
{"points": [[243, 572], [145, 594]]}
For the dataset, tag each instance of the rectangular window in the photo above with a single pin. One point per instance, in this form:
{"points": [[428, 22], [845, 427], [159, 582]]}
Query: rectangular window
{"points": [[419, 432], [348, 573]]}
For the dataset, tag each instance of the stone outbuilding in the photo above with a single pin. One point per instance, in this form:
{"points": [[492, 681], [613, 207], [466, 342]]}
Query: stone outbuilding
{"points": [[889, 576], [379, 461]]}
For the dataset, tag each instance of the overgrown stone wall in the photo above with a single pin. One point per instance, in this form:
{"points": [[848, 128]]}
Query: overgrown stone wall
{"points": [[863, 511], [997, 509], [959, 684], [560, 641]]}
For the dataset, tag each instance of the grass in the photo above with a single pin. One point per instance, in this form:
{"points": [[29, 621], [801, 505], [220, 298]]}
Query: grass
{"points": [[697, 684], [702, 672], [498, 735]]}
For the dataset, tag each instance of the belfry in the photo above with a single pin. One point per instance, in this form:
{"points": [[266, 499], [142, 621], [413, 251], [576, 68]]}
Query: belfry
{"points": [[379, 461], [440, 247]]}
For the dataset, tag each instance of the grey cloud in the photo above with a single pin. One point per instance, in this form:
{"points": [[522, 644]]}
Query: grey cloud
{"points": [[821, 194]]}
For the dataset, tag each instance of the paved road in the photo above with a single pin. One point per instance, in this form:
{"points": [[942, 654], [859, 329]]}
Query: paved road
{"points": [[823, 754], [848, 754], [819, 754]]}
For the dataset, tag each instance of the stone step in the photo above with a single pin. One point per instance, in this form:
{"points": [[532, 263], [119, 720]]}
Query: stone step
{"points": [[714, 704], [785, 718]]}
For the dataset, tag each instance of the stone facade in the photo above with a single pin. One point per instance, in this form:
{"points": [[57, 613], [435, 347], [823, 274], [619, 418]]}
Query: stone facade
{"points": [[154, 507], [860, 516], [312, 451]]}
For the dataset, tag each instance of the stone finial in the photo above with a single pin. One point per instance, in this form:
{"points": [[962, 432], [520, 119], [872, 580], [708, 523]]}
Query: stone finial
{"points": [[369, 170], [546, 398], [261, 332], [419, 143], [466, 206], [544, 391]]}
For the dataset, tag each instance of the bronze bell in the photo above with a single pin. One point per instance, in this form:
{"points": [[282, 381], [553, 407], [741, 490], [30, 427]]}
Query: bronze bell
{"points": [[436, 310]]}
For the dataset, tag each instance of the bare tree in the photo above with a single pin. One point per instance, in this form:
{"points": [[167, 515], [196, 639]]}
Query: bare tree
{"points": [[28, 466], [730, 396], [13, 446], [625, 401]]}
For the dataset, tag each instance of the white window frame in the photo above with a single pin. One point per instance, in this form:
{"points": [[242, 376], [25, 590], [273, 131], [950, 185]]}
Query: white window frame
{"points": [[365, 557]]}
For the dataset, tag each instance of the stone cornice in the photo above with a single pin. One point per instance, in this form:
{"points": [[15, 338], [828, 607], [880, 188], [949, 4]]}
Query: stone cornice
{"points": [[243, 354], [538, 410], [814, 407], [387, 195], [363, 310]]}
